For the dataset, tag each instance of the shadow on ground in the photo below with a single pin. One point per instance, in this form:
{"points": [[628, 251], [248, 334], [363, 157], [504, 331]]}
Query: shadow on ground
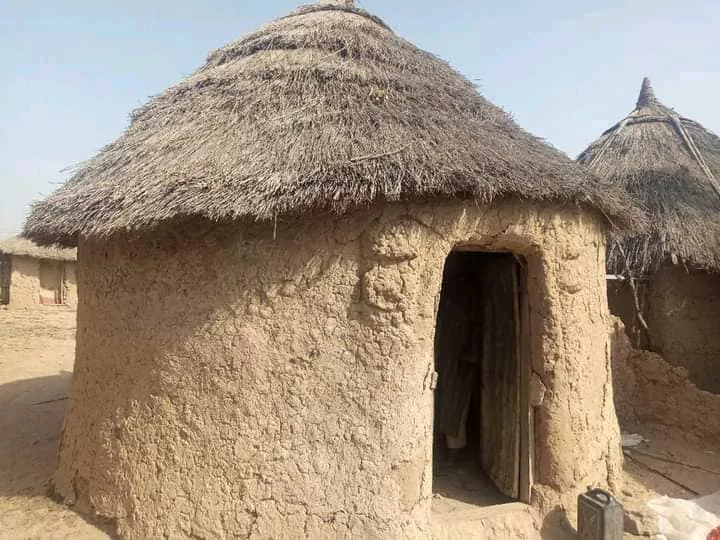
{"points": [[30, 425]]}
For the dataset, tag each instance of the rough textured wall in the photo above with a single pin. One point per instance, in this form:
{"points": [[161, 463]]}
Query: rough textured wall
{"points": [[70, 295], [230, 384], [684, 319], [650, 390], [25, 282]]}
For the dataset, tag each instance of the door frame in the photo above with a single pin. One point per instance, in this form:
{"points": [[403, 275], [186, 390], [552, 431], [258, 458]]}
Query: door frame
{"points": [[526, 455]]}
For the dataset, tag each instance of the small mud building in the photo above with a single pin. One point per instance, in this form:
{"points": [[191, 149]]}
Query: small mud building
{"points": [[265, 255], [671, 164], [33, 276]]}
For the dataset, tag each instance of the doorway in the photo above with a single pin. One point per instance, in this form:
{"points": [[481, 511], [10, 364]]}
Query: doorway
{"points": [[482, 423], [51, 282], [5, 272]]}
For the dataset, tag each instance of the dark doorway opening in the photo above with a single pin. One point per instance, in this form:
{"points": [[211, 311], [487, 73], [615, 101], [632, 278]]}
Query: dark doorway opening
{"points": [[481, 431], [5, 272]]}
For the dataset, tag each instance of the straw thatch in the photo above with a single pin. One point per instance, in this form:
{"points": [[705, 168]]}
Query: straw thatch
{"points": [[672, 165], [323, 109], [23, 247]]}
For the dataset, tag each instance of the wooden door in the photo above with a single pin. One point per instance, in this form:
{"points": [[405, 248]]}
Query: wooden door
{"points": [[50, 282], [5, 271], [500, 375]]}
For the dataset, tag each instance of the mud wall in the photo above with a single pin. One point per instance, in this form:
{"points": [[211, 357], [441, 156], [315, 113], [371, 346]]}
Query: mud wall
{"points": [[684, 318], [269, 388], [648, 390], [24, 282], [70, 295], [26, 285]]}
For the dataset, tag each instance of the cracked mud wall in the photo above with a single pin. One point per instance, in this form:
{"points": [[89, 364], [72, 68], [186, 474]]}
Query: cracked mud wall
{"points": [[649, 390], [682, 309], [230, 384]]}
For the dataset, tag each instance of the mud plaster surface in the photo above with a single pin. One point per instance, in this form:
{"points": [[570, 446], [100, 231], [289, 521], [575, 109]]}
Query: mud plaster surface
{"points": [[24, 282], [649, 390], [684, 315], [230, 384], [70, 285], [25, 286]]}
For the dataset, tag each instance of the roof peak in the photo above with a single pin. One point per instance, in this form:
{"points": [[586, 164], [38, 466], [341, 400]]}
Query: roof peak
{"points": [[647, 94]]}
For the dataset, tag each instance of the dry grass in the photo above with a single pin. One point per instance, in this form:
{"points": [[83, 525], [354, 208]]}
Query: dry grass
{"points": [[647, 153], [323, 110], [23, 247]]}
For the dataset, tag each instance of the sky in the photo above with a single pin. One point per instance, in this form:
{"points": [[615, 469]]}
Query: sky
{"points": [[72, 71]]}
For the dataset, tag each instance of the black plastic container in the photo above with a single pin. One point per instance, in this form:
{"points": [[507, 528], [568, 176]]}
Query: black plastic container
{"points": [[600, 516]]}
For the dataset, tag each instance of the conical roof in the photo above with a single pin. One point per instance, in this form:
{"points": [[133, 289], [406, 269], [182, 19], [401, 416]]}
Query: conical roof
{"points": [[325, 108], [671, 164]]}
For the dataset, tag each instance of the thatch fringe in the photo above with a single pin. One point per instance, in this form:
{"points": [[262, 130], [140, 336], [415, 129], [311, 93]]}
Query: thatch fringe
{"points": [[325, 109], [670, 164], [23, 247]]}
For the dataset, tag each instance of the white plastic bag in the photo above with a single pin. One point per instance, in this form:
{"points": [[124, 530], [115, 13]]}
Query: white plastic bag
{"points": [[680, 519]]}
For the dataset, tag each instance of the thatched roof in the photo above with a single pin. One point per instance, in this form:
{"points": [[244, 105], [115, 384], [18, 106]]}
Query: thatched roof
{"points": [[324, 109], [23, 247], [672, 165]]}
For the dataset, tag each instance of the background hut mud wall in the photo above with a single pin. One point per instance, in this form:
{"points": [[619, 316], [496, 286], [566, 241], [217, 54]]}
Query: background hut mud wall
{"points": [[229, 383], [70, 285], [650, 391], [684, 317], [26, 285], [24, 282]]}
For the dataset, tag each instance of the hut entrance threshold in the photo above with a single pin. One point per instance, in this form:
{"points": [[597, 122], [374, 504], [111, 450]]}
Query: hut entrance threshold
{"points": [[482, 439]]}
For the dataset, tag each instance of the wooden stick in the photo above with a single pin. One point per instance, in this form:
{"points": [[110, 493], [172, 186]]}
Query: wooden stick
{"points": [[670, 460], [659, 472], [633, 289], [378, 156], [50, 401], [631, 281], [695, 152], [608, 142]]}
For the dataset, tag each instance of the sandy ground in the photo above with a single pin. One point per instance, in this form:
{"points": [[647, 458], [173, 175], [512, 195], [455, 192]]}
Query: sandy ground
{"points": [[669, 463], [36, 360], [672, 464]]}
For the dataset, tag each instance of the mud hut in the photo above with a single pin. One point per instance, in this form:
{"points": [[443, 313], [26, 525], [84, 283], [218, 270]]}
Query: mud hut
{"points": [[671, 164], [32, 275], [270, 258]]}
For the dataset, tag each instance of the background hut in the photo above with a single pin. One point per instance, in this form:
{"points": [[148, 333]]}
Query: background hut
{"points": [[262, 253], [31, 275], [672, 166]]}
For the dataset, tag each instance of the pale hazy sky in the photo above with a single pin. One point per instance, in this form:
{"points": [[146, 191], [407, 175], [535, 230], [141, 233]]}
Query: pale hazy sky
{"points": [[71, 71]]}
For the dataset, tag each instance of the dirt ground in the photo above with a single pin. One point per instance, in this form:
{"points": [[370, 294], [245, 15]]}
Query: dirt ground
{"points": [[36, 361], [670, 463]]}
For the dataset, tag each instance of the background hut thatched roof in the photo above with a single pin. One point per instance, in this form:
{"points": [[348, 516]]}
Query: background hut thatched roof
{"points": [[24, 247], [669, 163], [325, 108]]}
